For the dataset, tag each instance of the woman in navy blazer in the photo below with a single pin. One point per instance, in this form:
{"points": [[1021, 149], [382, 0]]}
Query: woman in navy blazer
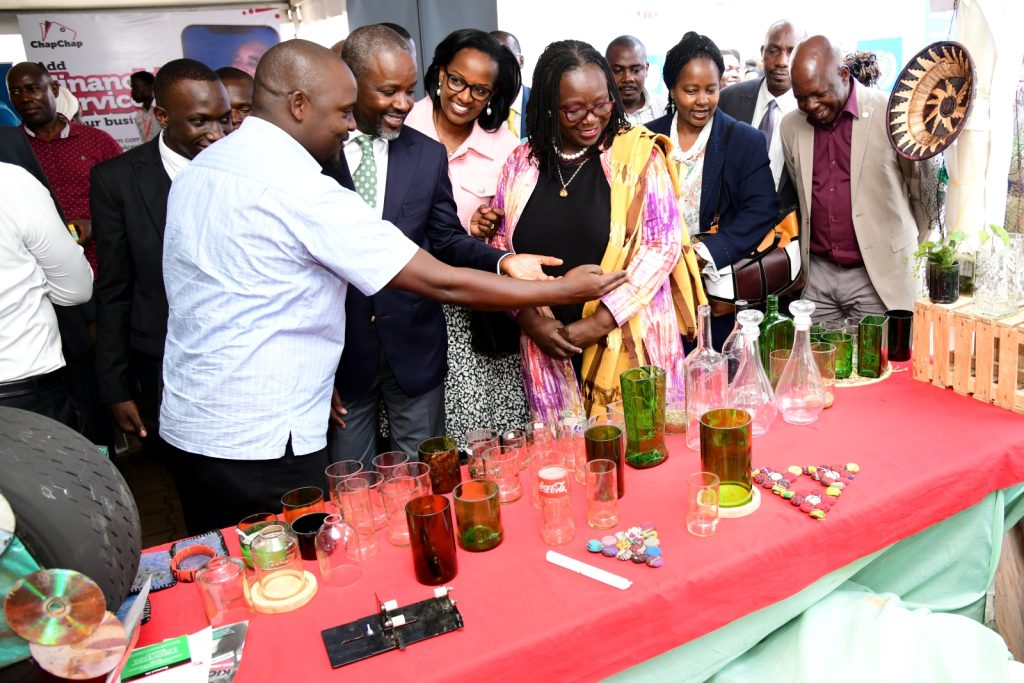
{"points": [[723, 163]]}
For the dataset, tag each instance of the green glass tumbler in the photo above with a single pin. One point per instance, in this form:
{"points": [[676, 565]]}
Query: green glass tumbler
{"points": [[872, 346], [603, 441], [844, 353], [725, 439], [643, 401], [478, 515]]}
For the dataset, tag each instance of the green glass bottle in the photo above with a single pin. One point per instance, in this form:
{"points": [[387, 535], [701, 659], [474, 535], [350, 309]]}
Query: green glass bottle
{"points": [[776, 330]]}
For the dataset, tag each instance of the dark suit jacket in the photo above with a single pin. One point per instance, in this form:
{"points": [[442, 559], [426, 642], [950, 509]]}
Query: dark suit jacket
{"points": [[128, 199], [739, 101], [409, 329], [524, 133], [749, 206]]}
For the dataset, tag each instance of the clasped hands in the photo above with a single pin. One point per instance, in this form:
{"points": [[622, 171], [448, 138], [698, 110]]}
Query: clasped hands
{"points": [[565, 341]]}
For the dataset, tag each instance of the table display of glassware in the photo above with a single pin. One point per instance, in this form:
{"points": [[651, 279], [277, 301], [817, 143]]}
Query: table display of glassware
{"points": [[751, 390], [707, 378], [800, 395], [776, 330]]}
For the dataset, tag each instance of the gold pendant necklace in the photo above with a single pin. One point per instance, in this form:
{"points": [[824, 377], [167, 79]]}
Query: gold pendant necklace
{"points": [[564, 192]]}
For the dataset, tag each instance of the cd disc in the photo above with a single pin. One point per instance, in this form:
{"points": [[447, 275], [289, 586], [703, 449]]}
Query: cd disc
{"points": [[6, 524], [54, 607], [96, 654]]}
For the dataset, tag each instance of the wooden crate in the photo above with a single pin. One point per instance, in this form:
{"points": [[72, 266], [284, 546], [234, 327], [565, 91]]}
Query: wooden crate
{"points": [[975, 355]]}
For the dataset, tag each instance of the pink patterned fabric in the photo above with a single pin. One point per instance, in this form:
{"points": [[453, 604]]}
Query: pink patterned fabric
{"points": [[551, 384]]}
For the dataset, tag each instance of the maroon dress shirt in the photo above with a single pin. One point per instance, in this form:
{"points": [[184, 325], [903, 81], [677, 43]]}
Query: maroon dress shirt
{"points": [[832, 233], [67, 162]]}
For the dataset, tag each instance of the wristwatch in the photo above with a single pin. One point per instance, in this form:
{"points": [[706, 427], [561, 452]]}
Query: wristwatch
{"points": [[184, 568]]}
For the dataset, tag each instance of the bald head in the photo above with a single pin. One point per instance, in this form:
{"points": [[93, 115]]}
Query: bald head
{"points": [[366, 42], [304, 89], [33, 94], [821, 81]]}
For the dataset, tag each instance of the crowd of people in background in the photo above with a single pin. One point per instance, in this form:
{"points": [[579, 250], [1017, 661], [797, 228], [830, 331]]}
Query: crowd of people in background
{"points": [[208, 307]]}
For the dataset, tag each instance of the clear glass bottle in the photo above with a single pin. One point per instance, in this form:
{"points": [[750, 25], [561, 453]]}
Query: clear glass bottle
{"points": [[776, 330], [800, 394], [750, 390], [707, 378], [732, 349]]}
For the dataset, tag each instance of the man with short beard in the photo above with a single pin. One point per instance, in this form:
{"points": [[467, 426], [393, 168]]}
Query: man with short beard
{"points": [[129, 207], [627, 57], [396, 343]]}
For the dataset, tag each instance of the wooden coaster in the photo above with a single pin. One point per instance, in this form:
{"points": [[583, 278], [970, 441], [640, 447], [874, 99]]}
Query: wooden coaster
{"points": [[268, 605]]}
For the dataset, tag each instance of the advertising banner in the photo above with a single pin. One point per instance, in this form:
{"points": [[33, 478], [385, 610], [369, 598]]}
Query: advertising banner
{"points": [[94, 54]]}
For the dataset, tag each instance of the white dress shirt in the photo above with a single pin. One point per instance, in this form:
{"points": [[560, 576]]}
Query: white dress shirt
{"points": [[354, 154], [42, 266], [258, 253], [786, 103], [171, 160]]}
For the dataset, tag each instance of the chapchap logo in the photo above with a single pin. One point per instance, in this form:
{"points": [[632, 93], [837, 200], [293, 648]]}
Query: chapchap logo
{"points": [[54, 34]]}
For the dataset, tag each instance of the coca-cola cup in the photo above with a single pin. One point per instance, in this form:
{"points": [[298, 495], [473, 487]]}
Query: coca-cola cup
{"points": [[540, 459], [556, 526]]}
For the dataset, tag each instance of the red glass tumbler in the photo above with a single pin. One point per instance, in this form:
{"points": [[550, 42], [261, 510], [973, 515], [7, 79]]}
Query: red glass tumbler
{"points": [[432, 538]]}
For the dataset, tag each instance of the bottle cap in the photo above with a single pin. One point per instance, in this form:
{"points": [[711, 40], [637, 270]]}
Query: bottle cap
{"points": [[749, 320], [801, 310]]}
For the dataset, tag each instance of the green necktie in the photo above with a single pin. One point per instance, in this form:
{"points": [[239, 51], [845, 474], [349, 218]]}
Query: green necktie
{"points": [[365, 177]]}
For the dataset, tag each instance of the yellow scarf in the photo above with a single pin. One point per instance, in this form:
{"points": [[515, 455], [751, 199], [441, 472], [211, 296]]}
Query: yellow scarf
{"points": [[623, 347]]}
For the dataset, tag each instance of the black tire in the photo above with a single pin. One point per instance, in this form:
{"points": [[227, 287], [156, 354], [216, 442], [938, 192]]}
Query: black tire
{"points": [[72, 508]]}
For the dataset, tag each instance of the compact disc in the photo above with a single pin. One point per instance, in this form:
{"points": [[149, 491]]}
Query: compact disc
{"points": [[6, 524], [96, 654], [54, 607]]}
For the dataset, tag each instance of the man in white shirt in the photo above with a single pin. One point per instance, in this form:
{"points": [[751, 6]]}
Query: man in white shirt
{"points": [[42, 266], [627, 57], [128, 201], [258, 253], [763, 102]]}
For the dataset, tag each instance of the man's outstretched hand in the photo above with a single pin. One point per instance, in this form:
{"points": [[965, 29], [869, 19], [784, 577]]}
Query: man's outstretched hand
{"points": [[586, 283]]}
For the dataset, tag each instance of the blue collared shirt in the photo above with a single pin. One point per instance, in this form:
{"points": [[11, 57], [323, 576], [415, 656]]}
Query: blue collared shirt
{"points": [[258, 250]]}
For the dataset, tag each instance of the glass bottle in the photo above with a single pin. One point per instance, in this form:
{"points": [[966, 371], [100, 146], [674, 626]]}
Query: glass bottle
{"points": [[707, 378], [733, 346], [800, 394], [750, 390], [776, 330]]}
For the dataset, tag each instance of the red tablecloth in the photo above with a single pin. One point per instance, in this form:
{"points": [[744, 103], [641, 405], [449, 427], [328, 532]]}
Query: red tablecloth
{"points": [[925, 454]]}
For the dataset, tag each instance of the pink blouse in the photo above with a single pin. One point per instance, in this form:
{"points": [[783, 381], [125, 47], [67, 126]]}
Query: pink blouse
{"points": [[475, 166]]}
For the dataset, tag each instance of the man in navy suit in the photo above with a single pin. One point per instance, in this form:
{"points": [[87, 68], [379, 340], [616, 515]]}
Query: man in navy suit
{"points": [[396, 342], [763, 102], [517, 123]]}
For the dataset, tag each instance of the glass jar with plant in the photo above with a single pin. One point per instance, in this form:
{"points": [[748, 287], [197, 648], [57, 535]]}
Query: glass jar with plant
{"points": [[943, 268]]}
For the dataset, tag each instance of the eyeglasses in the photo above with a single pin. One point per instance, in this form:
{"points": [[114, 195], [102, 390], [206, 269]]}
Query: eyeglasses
{"points": [[576, 114], [477, 92]]}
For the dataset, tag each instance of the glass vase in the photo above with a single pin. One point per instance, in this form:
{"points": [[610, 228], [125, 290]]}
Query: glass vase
{"points": [[337, 552], [800, 394], [643, 400], [707, 378], [750, 389], [944, 283], [996, 279]]}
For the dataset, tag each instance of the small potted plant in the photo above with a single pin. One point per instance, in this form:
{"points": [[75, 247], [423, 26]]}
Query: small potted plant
{"points": [[943, 268]]}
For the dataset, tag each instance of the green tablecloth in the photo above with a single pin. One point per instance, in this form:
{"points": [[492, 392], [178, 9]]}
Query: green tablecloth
{"points": [[946, 568]]}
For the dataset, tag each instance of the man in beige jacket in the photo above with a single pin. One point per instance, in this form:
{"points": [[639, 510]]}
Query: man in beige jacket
{"points": [[860, 202]]}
